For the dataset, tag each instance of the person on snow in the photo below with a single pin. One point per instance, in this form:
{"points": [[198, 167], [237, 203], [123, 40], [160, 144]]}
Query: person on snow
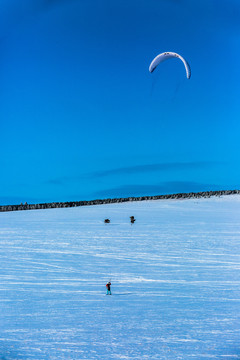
{"points": [[108, 286]]}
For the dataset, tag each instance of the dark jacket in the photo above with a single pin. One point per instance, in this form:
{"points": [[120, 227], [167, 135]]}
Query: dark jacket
{"points": [[108, 286]]}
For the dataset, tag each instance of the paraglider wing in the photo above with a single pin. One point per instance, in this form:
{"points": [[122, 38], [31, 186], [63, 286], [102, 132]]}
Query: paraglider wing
{"points": [[168, 55]]}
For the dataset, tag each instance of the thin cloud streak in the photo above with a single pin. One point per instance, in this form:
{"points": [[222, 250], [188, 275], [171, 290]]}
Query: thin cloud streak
{"points": [[131, 170], [155, 168], [163, 188]]}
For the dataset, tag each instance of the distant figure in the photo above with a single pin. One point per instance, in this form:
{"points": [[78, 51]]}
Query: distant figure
{"points": [[108, 286], [132, 219], [107, 221]]}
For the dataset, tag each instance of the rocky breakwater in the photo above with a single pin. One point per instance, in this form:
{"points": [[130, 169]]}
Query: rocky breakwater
{"points": [[205, 194]]}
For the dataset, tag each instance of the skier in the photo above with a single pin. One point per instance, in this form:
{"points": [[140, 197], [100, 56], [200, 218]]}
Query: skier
{"points": [[108, 286], [132, 219]]}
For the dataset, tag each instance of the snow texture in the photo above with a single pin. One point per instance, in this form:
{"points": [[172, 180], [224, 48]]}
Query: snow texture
{"points": [[175, 277]]}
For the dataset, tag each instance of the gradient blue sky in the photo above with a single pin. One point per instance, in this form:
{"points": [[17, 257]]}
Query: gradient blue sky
{"points": [[82, 118]]}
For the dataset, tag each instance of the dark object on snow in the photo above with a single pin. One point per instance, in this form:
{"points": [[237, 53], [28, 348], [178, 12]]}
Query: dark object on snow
{"points": [[107, 221], [108, 286], [132, 219]]}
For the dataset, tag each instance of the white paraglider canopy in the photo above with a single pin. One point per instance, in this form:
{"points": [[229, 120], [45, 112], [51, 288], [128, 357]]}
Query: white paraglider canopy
{"points": [[168, 55]]}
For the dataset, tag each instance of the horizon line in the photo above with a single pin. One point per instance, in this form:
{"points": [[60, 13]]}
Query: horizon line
{"points": [[187, 195]]}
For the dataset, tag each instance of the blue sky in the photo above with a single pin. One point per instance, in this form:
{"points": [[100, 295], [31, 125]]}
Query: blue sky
{"points": [[81, 117]]}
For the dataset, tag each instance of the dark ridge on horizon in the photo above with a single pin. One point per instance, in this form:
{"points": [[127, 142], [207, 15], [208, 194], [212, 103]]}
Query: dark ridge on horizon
{"points": [[52, 205]]}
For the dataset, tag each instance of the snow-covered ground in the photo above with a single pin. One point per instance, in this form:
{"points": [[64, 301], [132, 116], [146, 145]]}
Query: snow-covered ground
{"points": [[175, 281]]}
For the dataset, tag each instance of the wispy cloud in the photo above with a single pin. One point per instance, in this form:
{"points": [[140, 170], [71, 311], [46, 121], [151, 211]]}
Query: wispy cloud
{"points": [[158, 189], [56, 182], [132, 170], [154, 168]]}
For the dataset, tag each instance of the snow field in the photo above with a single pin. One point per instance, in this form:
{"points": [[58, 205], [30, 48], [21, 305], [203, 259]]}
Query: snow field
{"points": [[175, 281]]}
